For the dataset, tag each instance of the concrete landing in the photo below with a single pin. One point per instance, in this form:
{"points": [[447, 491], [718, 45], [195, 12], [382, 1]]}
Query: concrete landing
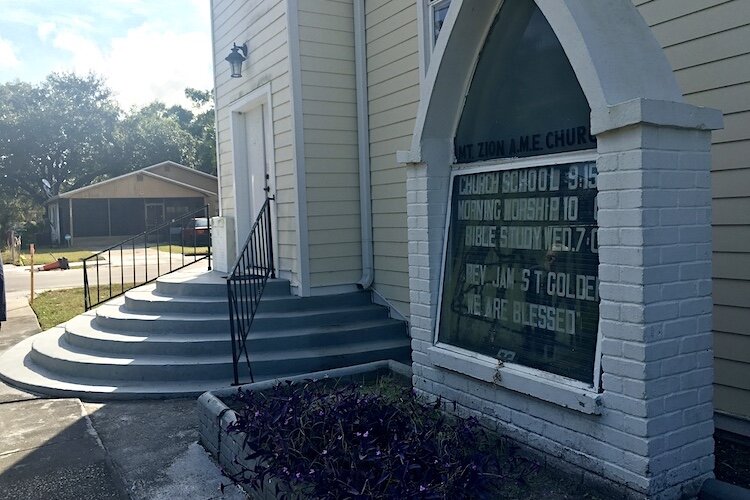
{"points": [[48, 449]]}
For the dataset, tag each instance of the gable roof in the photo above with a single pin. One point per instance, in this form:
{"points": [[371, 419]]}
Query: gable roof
{"points": [[144, 171], [179, 166]]}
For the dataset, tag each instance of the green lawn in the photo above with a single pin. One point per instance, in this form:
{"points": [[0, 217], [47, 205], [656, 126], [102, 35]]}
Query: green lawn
{"points": [[58, 306], [186, 250], [48, 255]]}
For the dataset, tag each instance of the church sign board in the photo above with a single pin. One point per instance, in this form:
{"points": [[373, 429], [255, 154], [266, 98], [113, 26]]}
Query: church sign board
{"points": [[520, 280]]}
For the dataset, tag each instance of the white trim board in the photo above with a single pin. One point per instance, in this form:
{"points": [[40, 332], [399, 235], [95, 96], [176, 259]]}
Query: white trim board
{"points": [[182, 167], [517, 378], [298, 142], [260, 97], [393, 312], [216, 102], [179, 183]]}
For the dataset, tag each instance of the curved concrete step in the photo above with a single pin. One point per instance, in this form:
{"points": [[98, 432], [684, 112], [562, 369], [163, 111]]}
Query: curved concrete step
{"points": [[147, 299], [17, 368], [114, 316], [51, 351], [208, 284], [83, 332]]}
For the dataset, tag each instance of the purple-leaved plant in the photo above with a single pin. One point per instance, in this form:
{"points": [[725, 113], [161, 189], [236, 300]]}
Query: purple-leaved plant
{"points": [[334, 442]]}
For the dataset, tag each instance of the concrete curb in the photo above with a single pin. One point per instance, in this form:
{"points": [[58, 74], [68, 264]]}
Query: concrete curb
{"points": [[714, 489]]}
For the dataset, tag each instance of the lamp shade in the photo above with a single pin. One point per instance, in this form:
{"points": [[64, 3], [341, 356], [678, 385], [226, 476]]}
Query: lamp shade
{"points": [[235, 59]]}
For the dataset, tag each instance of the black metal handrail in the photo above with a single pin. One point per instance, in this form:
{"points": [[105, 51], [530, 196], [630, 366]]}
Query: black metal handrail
{"points": [[169, 235], [245, 285]]}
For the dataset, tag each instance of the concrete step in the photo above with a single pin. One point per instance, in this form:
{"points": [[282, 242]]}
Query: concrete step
{"points": [[146, 299], [171, 339], [284, 304], [114, 316], [211, 284], [51, 351], [82, 332], [18, 369]]}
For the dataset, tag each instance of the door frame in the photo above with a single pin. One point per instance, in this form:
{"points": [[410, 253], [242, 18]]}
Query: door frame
{"points": [[260, 97]]}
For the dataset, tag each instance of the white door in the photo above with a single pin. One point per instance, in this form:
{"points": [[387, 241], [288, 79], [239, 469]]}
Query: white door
{"points": [[252, 155], [256, 160]]}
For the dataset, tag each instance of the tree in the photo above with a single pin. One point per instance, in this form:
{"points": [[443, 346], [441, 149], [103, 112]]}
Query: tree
{"points": [[203, 129], [61, 130], [69, 132], [158, 133], [151, 135], [16, 211]]}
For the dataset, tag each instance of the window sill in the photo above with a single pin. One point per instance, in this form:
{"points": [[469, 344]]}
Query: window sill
{"points": [[515, 379]]}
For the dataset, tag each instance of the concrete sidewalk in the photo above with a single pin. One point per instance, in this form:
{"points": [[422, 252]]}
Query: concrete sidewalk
{"points": [[65, 449]]}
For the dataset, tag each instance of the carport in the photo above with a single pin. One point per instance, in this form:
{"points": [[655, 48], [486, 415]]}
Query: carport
{"points": [[131, 203]]}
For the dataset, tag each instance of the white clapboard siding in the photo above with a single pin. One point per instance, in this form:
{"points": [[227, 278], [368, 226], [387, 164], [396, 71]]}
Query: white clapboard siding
{"points": [[262, 23], [393, 95], [706, 41], [329, 107]]}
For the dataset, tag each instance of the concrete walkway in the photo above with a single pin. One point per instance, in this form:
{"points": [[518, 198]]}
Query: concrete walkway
{"points": [[66, 449]]}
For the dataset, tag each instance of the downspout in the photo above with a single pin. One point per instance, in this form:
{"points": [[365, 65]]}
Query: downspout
{"points": [[363, 139], [220, 211]]}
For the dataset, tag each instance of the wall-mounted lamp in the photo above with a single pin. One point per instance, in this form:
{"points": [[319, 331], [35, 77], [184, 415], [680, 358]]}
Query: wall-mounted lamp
{"points": [[236, 59]]}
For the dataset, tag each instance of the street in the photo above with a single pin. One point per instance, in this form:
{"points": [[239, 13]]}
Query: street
{"points": [[129, 269]]}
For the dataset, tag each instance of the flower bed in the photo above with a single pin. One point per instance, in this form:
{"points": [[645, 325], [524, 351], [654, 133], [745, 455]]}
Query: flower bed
{"points": [[360, 432], [319, 440], [216, 417]]}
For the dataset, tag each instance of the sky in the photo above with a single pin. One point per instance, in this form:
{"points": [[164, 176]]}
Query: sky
{"points": [[146, 50]]}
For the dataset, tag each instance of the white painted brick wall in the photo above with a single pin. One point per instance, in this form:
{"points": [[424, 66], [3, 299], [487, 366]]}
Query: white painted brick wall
{"points": [[654, 434]]}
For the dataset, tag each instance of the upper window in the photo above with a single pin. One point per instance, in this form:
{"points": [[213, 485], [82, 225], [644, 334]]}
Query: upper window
{"points": [[438, 9], [524, 98]]}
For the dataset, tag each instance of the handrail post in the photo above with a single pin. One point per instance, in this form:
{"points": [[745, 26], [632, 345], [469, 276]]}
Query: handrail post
{"points": [[86, 297], [270, 240], [235, 358], [208, 223]]}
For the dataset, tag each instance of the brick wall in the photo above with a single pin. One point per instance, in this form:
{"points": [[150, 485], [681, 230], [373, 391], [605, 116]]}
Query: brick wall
{"points": [[653, 433]]}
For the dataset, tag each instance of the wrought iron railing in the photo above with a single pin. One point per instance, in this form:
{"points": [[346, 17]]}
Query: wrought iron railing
{"points": [[141, 259], [245, 285]]}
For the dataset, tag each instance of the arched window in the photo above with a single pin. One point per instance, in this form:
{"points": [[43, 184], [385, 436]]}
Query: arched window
{"points": [[524, 98], [520, 282]]}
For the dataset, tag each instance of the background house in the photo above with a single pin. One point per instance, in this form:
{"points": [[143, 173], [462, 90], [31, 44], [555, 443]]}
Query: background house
{"points": [[131, 203]]}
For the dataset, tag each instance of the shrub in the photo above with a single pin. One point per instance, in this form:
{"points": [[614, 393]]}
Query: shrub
{"points": [[352, 441]]}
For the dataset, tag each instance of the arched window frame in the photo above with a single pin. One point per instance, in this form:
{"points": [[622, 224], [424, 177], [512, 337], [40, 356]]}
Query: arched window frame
{"points": [[635, 93]]}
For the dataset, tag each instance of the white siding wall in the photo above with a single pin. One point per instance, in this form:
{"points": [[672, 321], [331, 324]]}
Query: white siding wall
{"points": [[329, 107], [393, 91], [706, 41], [262, 24]]}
